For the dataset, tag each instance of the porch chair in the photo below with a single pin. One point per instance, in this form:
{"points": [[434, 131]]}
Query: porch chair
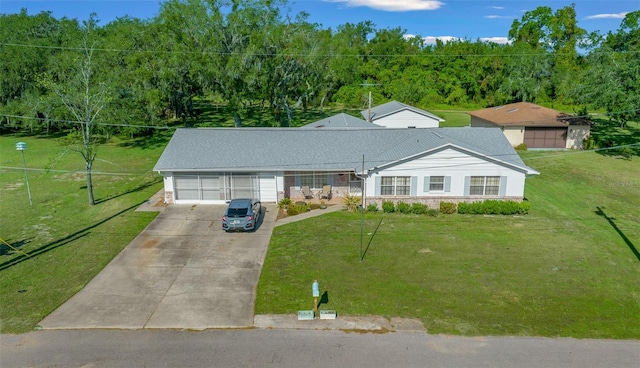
{"points": [[306, 192], [326, 192]]}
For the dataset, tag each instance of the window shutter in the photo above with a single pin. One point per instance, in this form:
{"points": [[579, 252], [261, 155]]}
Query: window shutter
{"points": [[296, 180], [414, 186], [467, 185], [503, 186], [427, 184], [447, 183], [378, 184]]}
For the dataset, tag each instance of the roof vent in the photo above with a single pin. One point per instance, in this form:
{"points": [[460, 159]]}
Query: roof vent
{"points": [[512, 110]]}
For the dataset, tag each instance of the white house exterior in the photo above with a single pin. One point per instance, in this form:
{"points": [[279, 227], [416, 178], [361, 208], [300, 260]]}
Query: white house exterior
{"points": [[214, 165], [395, 114]]}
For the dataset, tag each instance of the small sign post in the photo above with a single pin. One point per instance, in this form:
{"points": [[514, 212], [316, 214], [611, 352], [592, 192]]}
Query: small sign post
{"points": [[315, 290], [22, 146]]}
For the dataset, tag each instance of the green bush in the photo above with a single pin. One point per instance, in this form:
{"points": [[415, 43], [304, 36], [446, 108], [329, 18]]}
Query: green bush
{"points": [[388, 207], [521, 147], [419, 208], [403, 207], [448, 208], [351, 202], [298, 208], [494, 207], [432, 212], [372, 207], [589, 143], [284, 202]]}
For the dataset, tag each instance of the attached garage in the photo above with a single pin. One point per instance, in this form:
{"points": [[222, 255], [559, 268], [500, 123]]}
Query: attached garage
{"points": [[543, 137], [190, 187]]}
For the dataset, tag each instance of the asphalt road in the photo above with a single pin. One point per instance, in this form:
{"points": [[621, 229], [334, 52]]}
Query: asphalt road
{"points": [[303, 348]]}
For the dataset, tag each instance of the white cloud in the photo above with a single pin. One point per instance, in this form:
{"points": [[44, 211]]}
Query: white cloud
{"points": [[499, 40], [499, 16], [608, 16], [392, 5], [431, 40], [497, 7]]}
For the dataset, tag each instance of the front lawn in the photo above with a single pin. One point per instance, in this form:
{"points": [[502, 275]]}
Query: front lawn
{"points": [[51, 249], [569, 268]]}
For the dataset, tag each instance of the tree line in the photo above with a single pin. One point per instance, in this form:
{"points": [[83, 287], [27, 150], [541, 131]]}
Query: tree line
{"points": [[133, 74]]}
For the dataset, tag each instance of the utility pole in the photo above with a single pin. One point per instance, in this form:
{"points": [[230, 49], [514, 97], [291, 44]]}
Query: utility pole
{"points": [[369, 119], [362, 200]]}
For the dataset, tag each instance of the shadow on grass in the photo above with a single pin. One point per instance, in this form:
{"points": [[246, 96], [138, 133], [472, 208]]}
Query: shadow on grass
{"points": [[60, 242], [324, 299], [141, 187], [159, 138], [8, 247], [615, 141], [600, 212], [371, 239]]}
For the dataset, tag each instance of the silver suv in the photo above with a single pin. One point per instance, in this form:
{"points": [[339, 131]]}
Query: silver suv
{"points": [[242, 214]]}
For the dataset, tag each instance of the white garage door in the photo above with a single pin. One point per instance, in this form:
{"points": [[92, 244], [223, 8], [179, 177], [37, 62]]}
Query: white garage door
{"points": [[268, 188], [220, 187]]}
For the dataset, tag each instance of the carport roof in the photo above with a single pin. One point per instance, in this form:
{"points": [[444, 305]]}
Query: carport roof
{"points": [[295, 149]]}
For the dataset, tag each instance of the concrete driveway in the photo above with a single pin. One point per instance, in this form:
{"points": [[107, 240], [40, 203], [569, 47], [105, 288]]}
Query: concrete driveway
{"points": [[183, 271]]}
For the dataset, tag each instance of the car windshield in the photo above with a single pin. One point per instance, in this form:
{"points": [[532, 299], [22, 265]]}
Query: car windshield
{"points": [[237, 212]]}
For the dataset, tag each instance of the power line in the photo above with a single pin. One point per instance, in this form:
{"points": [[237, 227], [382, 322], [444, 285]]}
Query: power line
{"points": [[419, 52], [81, 122]]}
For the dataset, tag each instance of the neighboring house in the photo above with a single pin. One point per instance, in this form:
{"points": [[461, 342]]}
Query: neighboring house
{"points": [[214, 165], [395, 114], [341, 120], [533, 125]]}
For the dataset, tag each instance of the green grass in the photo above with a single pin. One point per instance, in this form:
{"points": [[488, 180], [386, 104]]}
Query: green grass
{"points": [[569, 268], [50, 250], [453, 118]]}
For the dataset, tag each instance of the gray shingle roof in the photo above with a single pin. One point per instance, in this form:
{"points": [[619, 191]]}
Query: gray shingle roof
{"points": [[394, 107], [278, 149], [341, 120]]}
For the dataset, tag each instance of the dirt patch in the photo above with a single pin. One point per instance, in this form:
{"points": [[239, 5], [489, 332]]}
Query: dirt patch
{"points": [[151, 243]]}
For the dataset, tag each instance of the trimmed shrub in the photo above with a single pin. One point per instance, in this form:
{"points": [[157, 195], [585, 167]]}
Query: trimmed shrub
{"points": [[419, 208], [494, 207], [521, 147], [432, 212], [372, 207], [403, 207], [448, 208], [388, 207], [297, 208]]}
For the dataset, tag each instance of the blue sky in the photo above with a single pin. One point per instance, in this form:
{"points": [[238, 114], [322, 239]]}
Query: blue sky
{"points": [[469, 19]]}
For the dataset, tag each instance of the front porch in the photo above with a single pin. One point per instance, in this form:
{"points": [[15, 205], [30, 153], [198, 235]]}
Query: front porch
{"points": [[342, 184]]}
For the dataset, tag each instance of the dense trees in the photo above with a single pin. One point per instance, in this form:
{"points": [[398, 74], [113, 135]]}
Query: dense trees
{"points": [[252, 53]]}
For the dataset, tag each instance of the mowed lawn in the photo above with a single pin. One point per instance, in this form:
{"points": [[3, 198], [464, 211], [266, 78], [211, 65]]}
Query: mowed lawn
{"points": [[50, 250], [569, 268]]}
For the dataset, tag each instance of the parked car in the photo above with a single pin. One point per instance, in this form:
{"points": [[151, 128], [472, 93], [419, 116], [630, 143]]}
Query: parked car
{"points": [[242, 214]]}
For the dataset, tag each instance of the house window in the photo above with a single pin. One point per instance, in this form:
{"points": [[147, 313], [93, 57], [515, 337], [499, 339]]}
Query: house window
{"points": [[395, 185], [436, 183], [484, 185], [312, 180]]}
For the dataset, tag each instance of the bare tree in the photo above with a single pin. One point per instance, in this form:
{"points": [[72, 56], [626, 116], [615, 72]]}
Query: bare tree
{"points": [[85, 99]]}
